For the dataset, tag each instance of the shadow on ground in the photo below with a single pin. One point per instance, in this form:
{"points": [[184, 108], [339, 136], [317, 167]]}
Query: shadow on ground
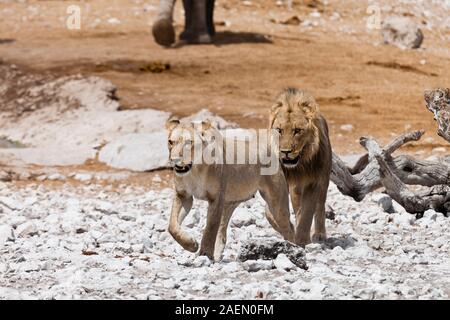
{"points": [[7, 41], [230, 37]]}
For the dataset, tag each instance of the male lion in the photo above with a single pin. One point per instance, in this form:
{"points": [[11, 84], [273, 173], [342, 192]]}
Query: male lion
{"points": [[223, 185], [305, 154]]}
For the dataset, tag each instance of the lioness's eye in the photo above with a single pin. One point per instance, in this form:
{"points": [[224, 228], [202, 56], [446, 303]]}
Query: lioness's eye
{"points": [[170, 143], [297, 131], [280, 131]]}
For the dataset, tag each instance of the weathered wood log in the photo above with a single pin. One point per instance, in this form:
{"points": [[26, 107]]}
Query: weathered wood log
{"points": [[364, 177], [379, 168], [437, 197]]}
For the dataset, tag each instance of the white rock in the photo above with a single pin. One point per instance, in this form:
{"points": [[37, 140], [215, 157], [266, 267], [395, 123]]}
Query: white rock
{"points": [[404, 219], [347, 127], [258, 265], [137, 152], [6, 234], [402, 32], [384, 201], [113, 21], [430, 215], [242, 217], [11, 203], [313, 247], [56, 177], [26, 229], [83, 177], [283, 263], [201, 261], [204, 114]]}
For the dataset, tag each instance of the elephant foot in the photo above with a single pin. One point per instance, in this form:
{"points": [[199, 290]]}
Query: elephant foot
{"points": [[187, 37], [163, 32]]}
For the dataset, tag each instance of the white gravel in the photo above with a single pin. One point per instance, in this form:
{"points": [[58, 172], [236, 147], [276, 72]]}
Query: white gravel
{"points": [[86, 243]]}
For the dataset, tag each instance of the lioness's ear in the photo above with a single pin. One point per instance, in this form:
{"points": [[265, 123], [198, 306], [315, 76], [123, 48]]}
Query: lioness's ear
{"points": [[172, 123], [205, 125]]}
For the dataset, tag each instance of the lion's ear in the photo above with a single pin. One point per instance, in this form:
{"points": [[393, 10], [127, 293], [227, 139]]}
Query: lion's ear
{"points": [[172, 123], [275, 107], [274, 112], [310, 108]]}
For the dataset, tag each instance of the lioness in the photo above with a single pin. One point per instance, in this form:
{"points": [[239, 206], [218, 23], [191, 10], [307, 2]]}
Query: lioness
{"points": [[223, 185], [305, 154]]}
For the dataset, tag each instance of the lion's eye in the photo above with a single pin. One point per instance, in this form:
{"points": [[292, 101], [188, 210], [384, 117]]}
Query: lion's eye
{"points": [[279, 130], [298, 131]]}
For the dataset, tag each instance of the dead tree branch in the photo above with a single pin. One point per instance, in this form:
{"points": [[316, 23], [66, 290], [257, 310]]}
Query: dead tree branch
{"points": [[379, 168]]}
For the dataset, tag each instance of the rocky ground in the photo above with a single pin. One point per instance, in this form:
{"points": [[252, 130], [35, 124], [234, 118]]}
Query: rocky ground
{"points": [[91, 242], [82, 116]]}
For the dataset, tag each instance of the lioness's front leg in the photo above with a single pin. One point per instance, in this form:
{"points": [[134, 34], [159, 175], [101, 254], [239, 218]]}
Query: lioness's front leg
{"points": [[212, 226], [180, 209], [221, 240], [276, 195]]}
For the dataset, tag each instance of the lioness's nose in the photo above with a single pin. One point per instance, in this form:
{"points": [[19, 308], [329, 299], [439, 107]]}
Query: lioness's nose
{"points": [[175, 161]]}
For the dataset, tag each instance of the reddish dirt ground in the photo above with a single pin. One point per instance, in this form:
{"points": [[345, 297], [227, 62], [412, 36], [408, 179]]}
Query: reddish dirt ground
{"points": [[376, 88]]}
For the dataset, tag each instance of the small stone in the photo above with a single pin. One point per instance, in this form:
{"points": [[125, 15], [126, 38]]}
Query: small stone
{"points": [[430, 215], [347, 127], [283, 263], [242, 217], [6, 234], [56, 177], [258, 265], [201, 261], [127, 217], [404, 219], [26, 229], [384, 201], [11, 203], [105, 207], [138, 247], [402, 32], [313, 247], [83, 177]]}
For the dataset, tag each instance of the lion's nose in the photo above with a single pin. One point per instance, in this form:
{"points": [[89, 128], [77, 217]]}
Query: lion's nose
{"points": [[285, 151]]}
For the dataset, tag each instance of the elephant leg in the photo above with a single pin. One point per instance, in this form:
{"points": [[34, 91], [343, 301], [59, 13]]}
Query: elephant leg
{"points": [[210, 17], [196, 29], [163, 31], [188, 32]]}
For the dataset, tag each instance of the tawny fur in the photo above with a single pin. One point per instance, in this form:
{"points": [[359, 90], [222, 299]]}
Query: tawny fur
{"points": [[303, 134], [224, 186]]}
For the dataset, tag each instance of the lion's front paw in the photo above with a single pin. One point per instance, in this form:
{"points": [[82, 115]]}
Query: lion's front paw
{"points": [[303, 240], [191, 246], [319, 237], [207, 253]]}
